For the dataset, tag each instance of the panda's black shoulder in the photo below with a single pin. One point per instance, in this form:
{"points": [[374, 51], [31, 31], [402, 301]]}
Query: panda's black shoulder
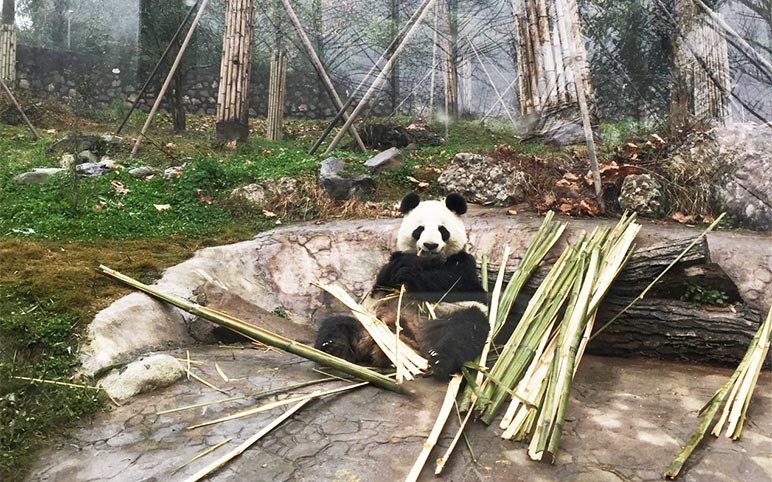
{"points": [[463, 259]]}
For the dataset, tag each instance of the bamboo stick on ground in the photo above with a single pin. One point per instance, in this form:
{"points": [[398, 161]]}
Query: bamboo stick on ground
{"points": [[260, 334], [202, 454], [434, 435], [280, 403], [246, 444]]}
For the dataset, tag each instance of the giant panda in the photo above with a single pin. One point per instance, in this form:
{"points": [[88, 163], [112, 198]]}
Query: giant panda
{"points": [[432, 264]]}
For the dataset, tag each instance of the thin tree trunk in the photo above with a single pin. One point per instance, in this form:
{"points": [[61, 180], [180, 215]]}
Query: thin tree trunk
{"points": [[451, 86], [232, 119], [434, 61], [178, 103], [394, 30], [9, 12]]}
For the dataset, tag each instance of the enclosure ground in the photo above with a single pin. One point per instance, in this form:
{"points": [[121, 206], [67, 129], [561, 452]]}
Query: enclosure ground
{"points": [[627, 419]]}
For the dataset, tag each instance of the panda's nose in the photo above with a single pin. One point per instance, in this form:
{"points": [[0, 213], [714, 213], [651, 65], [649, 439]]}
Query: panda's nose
{"points": [[431, 246]]}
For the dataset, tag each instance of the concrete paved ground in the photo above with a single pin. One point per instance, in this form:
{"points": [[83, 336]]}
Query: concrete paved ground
{"points": [[626, 421]]}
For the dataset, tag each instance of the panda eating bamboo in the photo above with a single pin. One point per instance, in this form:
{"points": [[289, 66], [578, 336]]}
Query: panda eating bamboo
{"points": [[443, 313]]}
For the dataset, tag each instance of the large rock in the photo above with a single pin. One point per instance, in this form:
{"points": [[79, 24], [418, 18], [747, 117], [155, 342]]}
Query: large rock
{"points": [[388, 160], [36, 175], [262, 192], [274, 272], [728, 169], [748, 194], [143, 375], [643, 194], [340, 185], [484, 180]]}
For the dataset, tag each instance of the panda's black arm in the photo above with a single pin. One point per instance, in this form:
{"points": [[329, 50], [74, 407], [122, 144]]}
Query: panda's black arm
{"points": [[423, 274]]}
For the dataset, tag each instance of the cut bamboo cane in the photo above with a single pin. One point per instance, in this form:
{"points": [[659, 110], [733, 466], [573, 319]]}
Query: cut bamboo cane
{"points": [[280, 403], [255, 396], [202, 454], [246, 444], [434, 435], [260, 334]]}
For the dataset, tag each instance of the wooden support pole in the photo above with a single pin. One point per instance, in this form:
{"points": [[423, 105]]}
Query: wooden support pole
{"points": [[157, 66], [424, 9], [18, 107], [317, 63], [168, 80]]}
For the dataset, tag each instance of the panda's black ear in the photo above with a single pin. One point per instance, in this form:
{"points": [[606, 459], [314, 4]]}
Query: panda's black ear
{"points": [[456, 203], [409, 202]]}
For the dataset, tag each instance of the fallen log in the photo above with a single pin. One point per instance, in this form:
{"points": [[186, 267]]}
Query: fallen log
{"points": [[676, 330]]}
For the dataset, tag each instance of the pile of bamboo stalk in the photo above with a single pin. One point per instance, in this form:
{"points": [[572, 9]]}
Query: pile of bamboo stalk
{"points": [[735, 396], [535, 368]]}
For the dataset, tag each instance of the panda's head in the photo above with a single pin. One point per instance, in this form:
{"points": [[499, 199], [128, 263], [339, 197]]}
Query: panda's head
{"points": [[432, 228]]}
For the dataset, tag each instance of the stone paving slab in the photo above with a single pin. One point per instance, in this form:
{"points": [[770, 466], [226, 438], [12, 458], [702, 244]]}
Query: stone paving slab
{"points": [[626, 421]]}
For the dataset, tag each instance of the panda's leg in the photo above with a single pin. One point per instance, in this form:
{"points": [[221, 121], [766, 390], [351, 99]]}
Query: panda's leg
{"points": [[453, 340], [342, 336]]}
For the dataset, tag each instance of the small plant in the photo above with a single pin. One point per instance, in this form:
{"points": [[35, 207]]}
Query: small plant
{"points": [[702, 295]]}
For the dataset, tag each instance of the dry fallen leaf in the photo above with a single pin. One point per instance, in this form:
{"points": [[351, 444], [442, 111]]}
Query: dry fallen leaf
{"points": [[162, 207], [119, 187], [202, 198], [269, 214], [511, 212]]}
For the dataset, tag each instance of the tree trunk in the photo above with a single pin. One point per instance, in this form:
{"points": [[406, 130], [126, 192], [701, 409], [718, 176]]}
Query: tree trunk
{"points": [[451, 67], [697, 45], [8, 43], [232, 119], [548, 41], [393, 31], [178, 103]]}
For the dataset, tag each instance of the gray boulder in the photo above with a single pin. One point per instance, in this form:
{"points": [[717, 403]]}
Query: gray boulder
{"points": [[143, 375], [484, 180], [643, 194], [748, 193], [261, 192], [144, 171], [388, 160], [341, 186], [90, 169], [87, 156], [36, 175]]}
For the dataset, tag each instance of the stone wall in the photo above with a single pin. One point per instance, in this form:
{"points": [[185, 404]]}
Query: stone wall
{"points": [[98, 82]]}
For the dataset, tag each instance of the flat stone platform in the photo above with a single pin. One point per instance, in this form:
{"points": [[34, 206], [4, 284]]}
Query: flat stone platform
{"points": [[626, 421]]}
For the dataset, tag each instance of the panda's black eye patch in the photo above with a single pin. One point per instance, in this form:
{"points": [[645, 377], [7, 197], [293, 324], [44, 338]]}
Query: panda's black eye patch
{"points": [[417, 232], [444, 233]]}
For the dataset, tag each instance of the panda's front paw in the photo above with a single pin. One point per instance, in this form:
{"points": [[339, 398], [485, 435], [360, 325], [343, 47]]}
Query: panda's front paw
{"points": [[339, 347]]}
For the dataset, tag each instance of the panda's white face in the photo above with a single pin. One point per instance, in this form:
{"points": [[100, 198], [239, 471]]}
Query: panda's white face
{"points": [[432, 229]]}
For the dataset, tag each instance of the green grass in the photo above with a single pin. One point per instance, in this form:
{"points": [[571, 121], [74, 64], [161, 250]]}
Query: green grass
{"points": [[37, 340]]}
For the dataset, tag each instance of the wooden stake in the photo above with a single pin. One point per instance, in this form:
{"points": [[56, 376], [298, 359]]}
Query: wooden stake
{"points": [[169, 77], [21, 111], [379, 80]]}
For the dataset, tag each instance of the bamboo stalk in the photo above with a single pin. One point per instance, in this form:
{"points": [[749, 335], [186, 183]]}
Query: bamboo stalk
{"points": [[711, 409], [280, 403], [202, 454], [410, 362], [262, 335], [246, 444], [255, 396], [434, 435]]}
